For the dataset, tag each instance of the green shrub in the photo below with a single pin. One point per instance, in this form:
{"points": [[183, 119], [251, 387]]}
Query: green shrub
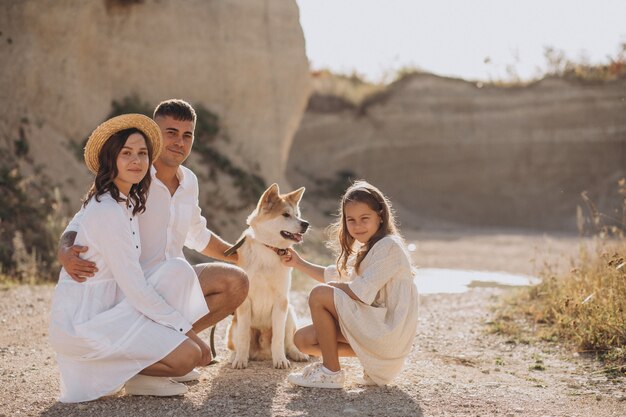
{"points": [[29, 209]]}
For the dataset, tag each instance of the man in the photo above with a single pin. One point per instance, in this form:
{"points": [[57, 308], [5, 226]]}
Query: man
{"points": [[172, 220]]}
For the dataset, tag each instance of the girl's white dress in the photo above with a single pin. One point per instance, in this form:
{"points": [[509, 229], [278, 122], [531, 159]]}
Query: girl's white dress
{"points": [[380, 329], [115, 324]]}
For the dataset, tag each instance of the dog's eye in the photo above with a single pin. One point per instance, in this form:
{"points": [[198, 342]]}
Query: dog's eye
{"points": [[287, 215]]}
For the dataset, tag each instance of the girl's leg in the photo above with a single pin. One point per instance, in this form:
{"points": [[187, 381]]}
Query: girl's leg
{"points": [[179, 362], [306, 341], [325, 322]]}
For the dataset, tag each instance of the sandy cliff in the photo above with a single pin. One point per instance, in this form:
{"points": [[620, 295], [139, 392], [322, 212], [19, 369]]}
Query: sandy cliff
{"points": [[448, 150]]}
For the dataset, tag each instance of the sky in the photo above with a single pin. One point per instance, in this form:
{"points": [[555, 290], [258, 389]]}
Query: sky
{"points": [[473, 39]]}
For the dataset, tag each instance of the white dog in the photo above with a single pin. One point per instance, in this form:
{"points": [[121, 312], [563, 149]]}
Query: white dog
{"points": [[265, 323]]}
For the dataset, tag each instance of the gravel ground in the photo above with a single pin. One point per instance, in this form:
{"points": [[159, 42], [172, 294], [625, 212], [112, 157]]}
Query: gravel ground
{"points": [[456, 368]]}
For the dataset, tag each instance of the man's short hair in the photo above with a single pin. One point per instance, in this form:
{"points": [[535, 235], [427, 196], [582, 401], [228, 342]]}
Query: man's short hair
{"points": [[177, 109]]}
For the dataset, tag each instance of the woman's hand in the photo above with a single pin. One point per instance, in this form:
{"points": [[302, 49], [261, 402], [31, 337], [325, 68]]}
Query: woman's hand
{"points": [[207, 357], [291, 259]]}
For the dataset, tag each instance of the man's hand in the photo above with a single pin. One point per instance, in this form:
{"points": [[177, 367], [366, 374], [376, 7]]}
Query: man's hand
{"points": [[77, 268]]}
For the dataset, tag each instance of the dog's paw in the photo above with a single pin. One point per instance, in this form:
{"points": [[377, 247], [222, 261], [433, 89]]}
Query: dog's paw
{"points": [[297, 356], [281, 363], [239, 363]]}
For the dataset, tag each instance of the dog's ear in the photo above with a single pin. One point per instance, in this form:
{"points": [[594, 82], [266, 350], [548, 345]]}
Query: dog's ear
{"points": [[269, 197], [295, 196]]}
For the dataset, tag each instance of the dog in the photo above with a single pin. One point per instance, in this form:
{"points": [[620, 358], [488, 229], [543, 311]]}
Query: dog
{"points": [[264, 325]]}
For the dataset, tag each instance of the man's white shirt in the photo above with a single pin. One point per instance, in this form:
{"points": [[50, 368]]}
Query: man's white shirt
{"points": [[169, 222]]}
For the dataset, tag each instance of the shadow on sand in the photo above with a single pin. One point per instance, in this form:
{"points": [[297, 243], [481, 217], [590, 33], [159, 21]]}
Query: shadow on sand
{"points": [[356, 401], [259, 390]]}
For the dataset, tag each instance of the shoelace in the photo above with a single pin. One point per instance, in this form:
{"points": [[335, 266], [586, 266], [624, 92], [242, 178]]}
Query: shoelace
{"points": [[310, 369]]}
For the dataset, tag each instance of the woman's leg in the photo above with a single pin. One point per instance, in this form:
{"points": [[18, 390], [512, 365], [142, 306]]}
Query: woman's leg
{"points": [[179, 362], [325, 323], [306, 341]]}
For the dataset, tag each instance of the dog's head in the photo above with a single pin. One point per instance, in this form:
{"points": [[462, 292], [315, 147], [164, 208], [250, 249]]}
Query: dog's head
{"points": [[276, 219]]}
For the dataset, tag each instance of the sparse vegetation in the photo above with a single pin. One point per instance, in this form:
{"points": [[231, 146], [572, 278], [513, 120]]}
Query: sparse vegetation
{"points": [[335, 92], [29, 215], [559, 65], [351, 90], [586, 306]]}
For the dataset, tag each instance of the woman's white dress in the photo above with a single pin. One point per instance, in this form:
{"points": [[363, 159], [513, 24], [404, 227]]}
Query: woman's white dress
{"points": [[115, 324], [380, 329]]}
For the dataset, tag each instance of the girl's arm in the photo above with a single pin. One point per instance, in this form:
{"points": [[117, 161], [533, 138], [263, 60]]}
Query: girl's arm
{"points": [[294, 260]]}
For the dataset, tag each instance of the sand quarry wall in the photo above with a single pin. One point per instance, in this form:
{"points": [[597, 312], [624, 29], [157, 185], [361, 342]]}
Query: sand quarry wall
{"points": [[450, 152], [63, 62]]}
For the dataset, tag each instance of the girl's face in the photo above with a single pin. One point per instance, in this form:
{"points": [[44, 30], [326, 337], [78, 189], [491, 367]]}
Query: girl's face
{"points": [[132, 163], [361, 220]]}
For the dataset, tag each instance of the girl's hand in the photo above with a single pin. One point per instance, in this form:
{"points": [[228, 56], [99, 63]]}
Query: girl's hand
{"points": [[291, 259]]}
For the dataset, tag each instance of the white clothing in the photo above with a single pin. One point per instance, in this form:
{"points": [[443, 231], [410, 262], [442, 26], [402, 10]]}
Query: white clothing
{"points": [[169, 222], [381, 328], [118, 322]]}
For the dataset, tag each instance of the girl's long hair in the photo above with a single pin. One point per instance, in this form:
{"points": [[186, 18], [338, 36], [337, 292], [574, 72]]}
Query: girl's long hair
{"points": [[340, 240], [107, 172]]}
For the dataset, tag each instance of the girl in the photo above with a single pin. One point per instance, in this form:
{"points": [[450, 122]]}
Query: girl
{"points": [[368, 304], [119, 324]]}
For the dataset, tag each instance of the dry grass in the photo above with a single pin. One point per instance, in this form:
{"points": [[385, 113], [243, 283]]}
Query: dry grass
{"points": [[351, 88], [586, 306]]}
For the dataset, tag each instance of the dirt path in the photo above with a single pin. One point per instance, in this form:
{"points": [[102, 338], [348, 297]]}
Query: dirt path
{"points": [[454, 369]]}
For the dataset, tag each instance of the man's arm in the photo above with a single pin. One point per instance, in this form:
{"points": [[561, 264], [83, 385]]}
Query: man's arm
{"points": [[216, 247], [69, 258]]}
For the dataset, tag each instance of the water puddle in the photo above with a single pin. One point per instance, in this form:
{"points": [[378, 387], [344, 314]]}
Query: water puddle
{"points": [[435, 280]]}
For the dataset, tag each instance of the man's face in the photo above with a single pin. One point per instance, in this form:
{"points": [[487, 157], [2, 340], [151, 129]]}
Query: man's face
{"points": [[177, 140]]}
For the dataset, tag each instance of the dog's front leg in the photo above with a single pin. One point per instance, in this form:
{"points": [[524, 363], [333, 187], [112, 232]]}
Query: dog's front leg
{"points": [[279, 320], [242, 335]]}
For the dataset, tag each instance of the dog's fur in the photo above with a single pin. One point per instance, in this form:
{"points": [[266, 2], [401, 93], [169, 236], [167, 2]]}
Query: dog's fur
{"points": [[265, 323]]}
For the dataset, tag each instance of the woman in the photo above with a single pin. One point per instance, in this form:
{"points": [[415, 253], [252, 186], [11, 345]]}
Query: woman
{"points": [[120, 325]]}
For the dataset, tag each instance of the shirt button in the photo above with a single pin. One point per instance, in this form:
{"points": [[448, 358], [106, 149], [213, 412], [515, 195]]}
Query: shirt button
{"points": [[137, 247], [133, 232], [180, 330]]}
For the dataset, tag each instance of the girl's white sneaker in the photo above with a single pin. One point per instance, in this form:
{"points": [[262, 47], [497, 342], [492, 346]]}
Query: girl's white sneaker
{"points": [[153, 385], [313, 376]]}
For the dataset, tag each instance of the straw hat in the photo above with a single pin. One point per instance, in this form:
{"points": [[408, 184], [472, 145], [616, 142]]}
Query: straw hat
{"points": [[116, 124]]}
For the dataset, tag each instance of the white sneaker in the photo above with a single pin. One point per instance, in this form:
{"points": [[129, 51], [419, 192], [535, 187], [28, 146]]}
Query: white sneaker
{"points": [[313, 376], [194, 375], [365, 380], [153, 385]]}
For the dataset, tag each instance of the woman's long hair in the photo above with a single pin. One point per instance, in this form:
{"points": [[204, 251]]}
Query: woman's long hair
{"points": [[341, 241], [107, 172]]}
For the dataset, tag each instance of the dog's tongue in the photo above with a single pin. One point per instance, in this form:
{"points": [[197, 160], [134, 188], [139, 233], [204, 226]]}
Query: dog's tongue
{"points": [[297, 237]]}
